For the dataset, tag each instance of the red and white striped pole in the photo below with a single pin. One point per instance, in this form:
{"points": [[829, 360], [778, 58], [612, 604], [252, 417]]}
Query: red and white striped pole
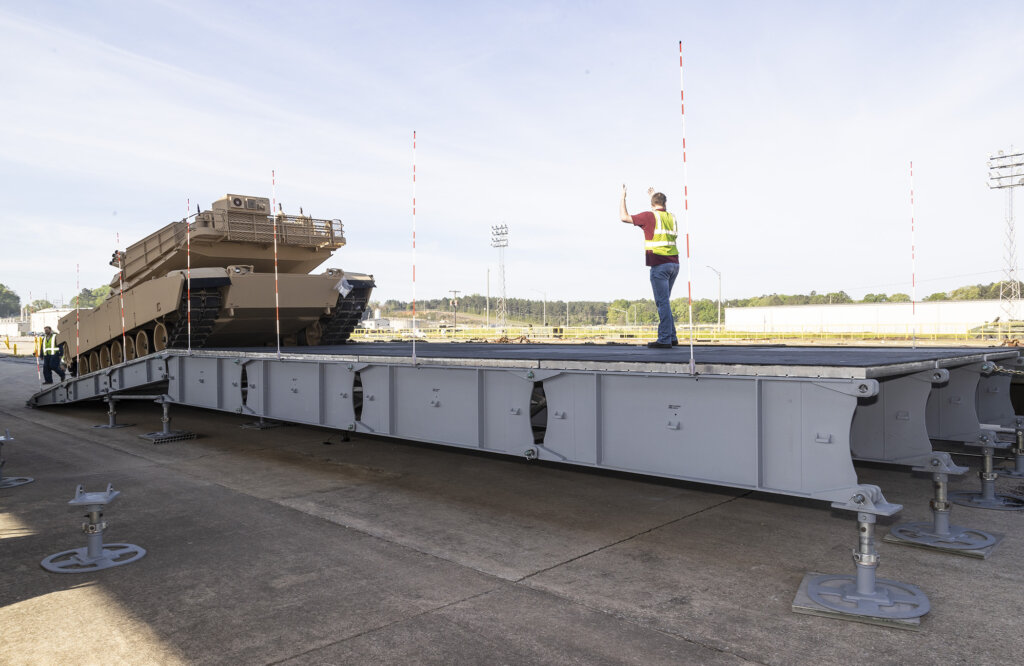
{"points": [[78, 305], [686, 212], [38, 345], [913, 265], [277, 297], [120, 282], [414, 247], [188, 273]]}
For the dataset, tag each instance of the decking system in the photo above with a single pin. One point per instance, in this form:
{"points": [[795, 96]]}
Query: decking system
{"points": [[785, 420]]}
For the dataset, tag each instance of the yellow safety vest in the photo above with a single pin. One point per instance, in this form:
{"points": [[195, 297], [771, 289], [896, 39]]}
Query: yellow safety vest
{"points": [[49, 346], [663, 242]]}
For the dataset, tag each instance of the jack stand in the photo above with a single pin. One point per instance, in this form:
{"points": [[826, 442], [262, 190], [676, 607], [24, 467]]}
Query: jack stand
{"points": [[95, 556], [261, 424], [112, 415], [1017, 471], [939, 534], [167, 435], [10, 481], [863, 597], [988, 499]]}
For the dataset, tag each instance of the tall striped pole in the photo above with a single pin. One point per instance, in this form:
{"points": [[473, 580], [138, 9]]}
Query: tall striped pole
{"points": [[120, 282], [188, 272], [414, 247], [686, 212], [38, 344], [78, 305], [277, 295], [913, 265]]}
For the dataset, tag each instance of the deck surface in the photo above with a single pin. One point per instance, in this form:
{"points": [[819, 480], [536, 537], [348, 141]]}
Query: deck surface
{"points": [[705, 355]]}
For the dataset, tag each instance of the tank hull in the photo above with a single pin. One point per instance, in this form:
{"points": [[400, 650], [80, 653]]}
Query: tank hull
{"points": [[228, 310]]}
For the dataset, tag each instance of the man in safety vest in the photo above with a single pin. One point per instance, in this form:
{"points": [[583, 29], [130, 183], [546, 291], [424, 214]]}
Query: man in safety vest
{"points": [[662, 256], [50, 354]]}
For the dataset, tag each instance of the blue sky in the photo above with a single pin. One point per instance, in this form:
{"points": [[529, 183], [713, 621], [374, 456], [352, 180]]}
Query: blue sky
{"points": [[801, 120]]}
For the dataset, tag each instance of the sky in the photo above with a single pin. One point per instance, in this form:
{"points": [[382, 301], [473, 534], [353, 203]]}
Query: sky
{"points": [[801, 121]]}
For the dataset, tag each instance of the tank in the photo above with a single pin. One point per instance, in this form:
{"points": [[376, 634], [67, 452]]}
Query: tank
{"points": [[230, 285]]}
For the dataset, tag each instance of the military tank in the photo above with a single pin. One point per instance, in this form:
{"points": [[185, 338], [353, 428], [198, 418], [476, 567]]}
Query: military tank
{"points": [[230, 285]]}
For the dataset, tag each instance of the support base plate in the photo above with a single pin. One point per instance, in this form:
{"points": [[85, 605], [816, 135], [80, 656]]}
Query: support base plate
{"points": [[161, 437], [1002, 501], [962, 541], [77, 560], [12, 481], [803, 603]]}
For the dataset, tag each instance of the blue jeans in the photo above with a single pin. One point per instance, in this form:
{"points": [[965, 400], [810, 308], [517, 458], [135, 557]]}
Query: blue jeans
{"points": [[663, 276], [51, 364]]}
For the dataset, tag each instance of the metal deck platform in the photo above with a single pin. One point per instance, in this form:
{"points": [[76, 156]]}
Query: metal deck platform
{"points": [[762, 417]]}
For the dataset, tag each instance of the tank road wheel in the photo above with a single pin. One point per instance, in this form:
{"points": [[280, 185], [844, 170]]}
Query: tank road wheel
{"points": [[83, 365], [116, 352], [94, 361], [141, 344], [160, 338], [104, 357], [129, 348], [65, 355], [312, 334]]}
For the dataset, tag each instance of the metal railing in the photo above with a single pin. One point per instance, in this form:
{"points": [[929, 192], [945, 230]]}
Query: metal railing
{"points": [[964, 334]]}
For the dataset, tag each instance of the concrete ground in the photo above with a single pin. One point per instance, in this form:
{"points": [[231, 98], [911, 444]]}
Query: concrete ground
{"points": [[293, 546]]}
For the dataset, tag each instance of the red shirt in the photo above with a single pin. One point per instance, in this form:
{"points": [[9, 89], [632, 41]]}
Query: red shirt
{"points": [[647, 222]]}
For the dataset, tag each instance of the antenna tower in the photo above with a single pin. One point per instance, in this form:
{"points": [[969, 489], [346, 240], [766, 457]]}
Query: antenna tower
{"points": [[499, 239], [1006, 172]]}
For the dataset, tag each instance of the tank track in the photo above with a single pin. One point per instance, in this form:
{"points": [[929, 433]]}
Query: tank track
{"points": [[347, 312], [206, 304]]}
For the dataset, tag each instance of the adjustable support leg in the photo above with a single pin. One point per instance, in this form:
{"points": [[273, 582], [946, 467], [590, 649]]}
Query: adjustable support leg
{"points": [[10, 481], [95, 555], [1017, 471], [112, 415], [166, 434], [988, 498], [939, 534], [863, 597]]}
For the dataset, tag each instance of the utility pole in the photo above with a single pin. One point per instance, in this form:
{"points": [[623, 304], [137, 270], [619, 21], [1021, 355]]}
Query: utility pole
{"points": [[719, 274], [545, 294], [488, 298], [1005, 172], [455, 305], [499, 240]]}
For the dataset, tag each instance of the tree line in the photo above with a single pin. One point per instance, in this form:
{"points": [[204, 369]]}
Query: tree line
{"points": [[577, 313], [10, 302], [643, 312]]}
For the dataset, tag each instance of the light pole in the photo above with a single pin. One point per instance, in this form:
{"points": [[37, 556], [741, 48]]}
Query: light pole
{"points": [[545, 294], [626, 312], [499, 240], [455, 305], [719, 274], [1006, 172]]}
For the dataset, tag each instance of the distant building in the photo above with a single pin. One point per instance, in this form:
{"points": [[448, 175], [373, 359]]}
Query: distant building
{"points": [[40, 319], [14, 327], [932, 317]]}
